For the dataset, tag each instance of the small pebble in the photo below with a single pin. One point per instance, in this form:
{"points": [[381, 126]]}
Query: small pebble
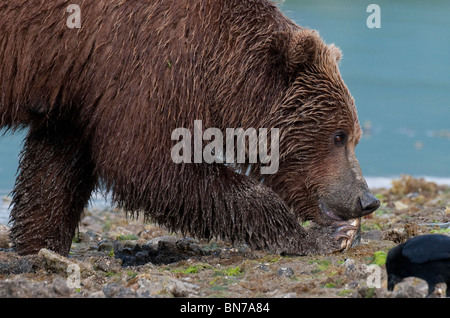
{"points": [[286, 272], [105, 245]]}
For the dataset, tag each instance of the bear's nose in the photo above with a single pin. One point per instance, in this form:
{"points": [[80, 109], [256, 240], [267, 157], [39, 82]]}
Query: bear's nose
{"points": [[368, 203]]}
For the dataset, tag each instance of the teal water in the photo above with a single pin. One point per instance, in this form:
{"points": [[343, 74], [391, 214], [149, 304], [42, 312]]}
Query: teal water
{"points": [[399, 76]]}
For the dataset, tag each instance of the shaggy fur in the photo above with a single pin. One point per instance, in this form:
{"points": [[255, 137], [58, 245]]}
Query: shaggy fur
{"points": [[101, 102]]}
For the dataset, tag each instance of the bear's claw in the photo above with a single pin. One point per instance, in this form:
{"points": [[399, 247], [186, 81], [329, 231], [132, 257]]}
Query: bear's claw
{"points": [[347, 232]]}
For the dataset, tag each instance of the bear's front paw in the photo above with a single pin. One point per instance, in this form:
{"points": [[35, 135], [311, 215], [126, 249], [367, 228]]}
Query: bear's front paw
{"points": [[347, 233], [338, 237]]}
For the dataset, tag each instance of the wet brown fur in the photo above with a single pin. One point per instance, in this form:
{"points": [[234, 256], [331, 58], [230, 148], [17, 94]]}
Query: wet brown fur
{"points": [[101, 102]]}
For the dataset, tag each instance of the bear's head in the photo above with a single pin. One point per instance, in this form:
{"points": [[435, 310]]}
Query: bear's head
{"points": [[319, 176]]}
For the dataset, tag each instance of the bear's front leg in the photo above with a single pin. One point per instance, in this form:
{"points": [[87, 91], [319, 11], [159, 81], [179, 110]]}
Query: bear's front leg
{"points": [[213, 201], [54, 185]]}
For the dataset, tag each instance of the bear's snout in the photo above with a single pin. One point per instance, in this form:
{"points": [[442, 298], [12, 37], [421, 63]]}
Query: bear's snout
{"points": [[347, 205], [368, 203]]}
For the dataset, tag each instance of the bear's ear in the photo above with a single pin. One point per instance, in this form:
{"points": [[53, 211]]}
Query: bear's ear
{"points": [[302, 49], [336, 53]]}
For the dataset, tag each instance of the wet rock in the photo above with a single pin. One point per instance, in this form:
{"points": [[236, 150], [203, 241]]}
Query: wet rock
{"points": [[60, 287], [352, 285], [165, 252], [16, 288], [286, 272], [349, 266], [411, 288], [169, 239], [98, 294], [54, 261], [133, 256], [60, 264], [263, 267], [23, 288], [355, 270], [105, 246], [116, 290], [13, 264]]}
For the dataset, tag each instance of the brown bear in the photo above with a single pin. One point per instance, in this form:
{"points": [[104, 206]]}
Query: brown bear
{"points": [[101, 101]]}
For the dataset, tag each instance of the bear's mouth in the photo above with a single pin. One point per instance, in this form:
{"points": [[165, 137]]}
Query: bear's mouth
{"points": [[329, 213]]}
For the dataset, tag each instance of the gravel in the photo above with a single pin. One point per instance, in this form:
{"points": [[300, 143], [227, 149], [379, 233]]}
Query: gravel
{"points": [[119, 257]]}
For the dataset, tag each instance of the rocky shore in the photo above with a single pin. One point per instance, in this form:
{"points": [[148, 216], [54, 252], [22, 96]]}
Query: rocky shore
{"points": [[116, 256]]}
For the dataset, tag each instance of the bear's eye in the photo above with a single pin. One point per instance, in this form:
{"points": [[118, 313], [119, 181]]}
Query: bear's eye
{"points": [[340, 139]]}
